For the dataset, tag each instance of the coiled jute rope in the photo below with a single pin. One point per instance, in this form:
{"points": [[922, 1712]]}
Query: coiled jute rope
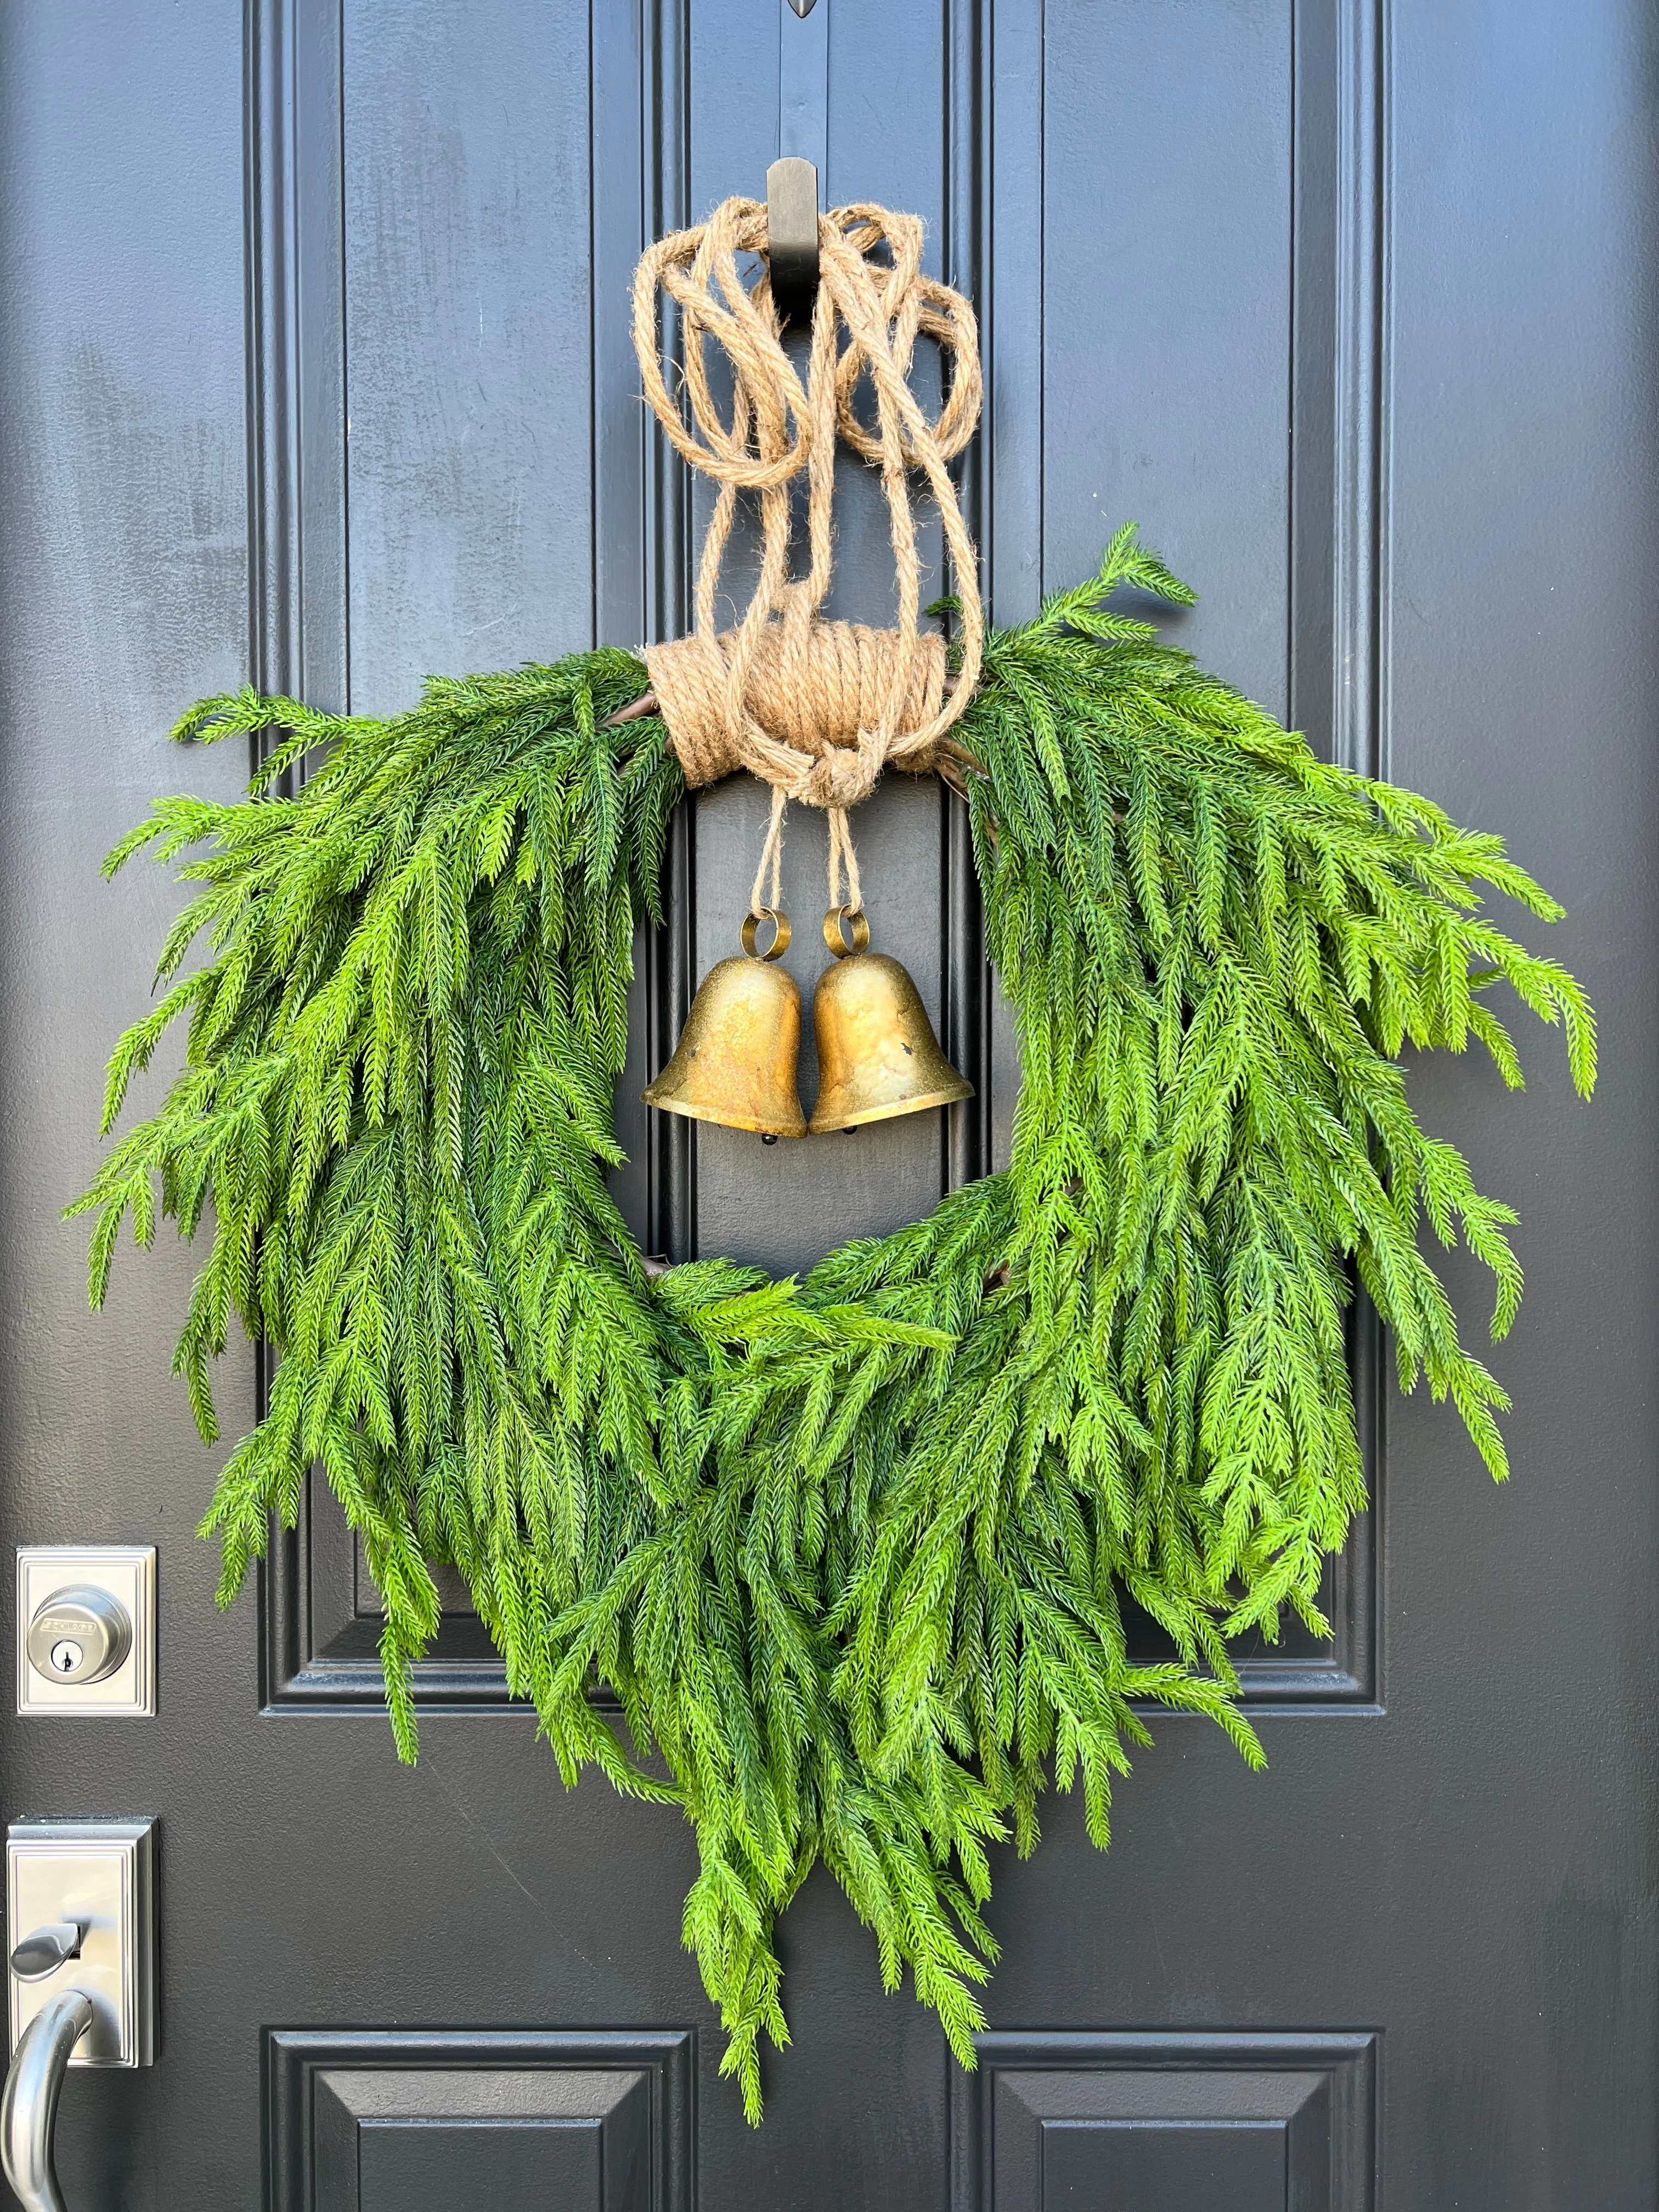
{"points": [[816, 709]]}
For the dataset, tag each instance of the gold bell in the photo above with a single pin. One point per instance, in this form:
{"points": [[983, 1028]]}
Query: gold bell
{"points": [[878, 1055], [735, 1061]]}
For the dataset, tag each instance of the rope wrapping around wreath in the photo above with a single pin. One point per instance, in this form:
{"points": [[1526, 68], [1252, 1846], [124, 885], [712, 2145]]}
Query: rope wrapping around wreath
{"points": [[817, 709]]}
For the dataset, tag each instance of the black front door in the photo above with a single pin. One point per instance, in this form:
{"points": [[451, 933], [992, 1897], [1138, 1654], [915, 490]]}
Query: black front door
{"points": [[316, 371]]}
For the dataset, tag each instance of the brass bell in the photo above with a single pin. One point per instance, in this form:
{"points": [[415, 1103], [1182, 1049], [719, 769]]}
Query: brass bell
{"points": [[878, 1055], [735, 1061]]}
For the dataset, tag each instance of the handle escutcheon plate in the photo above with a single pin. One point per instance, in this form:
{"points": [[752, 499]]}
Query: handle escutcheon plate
{"points": [[97, 1877]]}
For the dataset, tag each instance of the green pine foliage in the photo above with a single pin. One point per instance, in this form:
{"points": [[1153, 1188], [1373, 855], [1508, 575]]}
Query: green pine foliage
{"points": [[852, 1551]]}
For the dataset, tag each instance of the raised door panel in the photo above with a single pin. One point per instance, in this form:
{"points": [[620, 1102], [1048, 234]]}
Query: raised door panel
{"points": [[518, 2141], [1166, 267], [1171, 2122], [468, 264], [1163, 2142], [389, 2121], [1206, 292]]}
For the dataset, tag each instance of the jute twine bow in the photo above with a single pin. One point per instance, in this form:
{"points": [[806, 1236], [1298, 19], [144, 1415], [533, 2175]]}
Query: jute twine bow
{"points": [[814, 708]]}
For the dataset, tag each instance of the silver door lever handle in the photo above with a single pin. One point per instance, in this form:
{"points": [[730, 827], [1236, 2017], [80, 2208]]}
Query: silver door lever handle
{"points": [[45, 1950], [28, 2103]]}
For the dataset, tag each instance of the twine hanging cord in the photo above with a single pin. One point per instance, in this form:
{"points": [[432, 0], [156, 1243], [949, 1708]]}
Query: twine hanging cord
{"points": [[816, 709]]}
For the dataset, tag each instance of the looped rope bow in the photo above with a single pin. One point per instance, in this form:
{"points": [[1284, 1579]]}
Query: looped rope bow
{"points": [[816, 709]]}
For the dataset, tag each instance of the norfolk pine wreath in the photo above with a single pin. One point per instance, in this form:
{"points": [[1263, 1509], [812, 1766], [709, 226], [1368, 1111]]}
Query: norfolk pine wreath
{"points": [[850, 1550]]}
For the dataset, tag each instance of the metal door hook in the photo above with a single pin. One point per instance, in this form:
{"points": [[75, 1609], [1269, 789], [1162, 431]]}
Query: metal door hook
{"points": [[28, 2106], [791, 235]]}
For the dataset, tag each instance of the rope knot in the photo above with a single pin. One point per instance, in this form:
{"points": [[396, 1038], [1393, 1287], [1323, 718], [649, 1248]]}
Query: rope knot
{"points": [[814, 708], [841, 779]]}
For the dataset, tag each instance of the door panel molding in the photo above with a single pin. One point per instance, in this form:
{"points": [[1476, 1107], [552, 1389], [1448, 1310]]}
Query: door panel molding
{"points": [[296, 320], [320, 1632], [1257, 2120], [1335, 521], [387, 2120], [295, 315], [994, 217]]}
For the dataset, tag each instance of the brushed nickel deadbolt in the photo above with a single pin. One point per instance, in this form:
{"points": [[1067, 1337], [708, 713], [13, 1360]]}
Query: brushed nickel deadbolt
{"points": [[86, 1629], [81, 1634]]}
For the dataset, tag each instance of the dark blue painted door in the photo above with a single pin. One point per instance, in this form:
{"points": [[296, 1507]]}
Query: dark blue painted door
{"points": [[316, 368]]}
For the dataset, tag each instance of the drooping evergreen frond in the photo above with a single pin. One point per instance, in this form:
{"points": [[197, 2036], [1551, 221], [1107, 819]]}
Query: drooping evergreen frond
{"points": [[852, 1551]]}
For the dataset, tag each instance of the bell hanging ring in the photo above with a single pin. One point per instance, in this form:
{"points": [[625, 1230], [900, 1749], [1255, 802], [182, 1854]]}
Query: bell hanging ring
{"points": [[878, 1055], [735, 1061]]}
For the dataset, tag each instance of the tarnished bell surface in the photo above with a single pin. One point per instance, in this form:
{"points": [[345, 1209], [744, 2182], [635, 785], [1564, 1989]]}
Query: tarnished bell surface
{"points": [[735, 1061], [878, 1055]]}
